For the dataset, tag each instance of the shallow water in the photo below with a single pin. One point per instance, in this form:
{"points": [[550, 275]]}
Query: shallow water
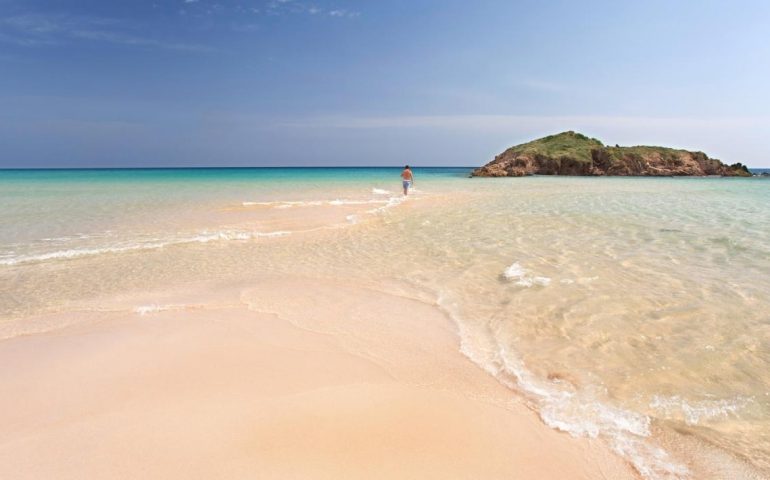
{"points": [[633, 309]]}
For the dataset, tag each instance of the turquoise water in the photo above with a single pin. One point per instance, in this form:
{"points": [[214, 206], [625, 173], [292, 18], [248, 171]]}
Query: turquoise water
{"points": [[635, 310], [309, 175], [48, 205]]}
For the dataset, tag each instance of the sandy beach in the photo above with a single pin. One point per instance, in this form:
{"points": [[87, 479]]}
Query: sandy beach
{"points": [[260, 385], [314, 324]]}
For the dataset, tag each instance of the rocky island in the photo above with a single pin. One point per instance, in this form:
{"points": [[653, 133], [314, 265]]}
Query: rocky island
{"points": [[571, 153]]}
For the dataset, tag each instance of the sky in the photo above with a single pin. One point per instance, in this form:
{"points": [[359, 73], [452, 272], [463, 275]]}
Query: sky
{"points": [[135, 83]]}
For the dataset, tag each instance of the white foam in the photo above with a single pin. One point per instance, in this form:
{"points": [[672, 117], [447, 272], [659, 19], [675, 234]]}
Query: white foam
{"points": [[277, 233], [523, 278], [391, 202], [311, 203], [515, 270], [563, 407], [77, 252], [203, 237], [283, 204], [206, 236], [580, 414], [694, 411], [354, 202], [157, 308], [379, 191]]}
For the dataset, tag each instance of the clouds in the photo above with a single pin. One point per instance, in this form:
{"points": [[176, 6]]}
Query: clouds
{"points": [[281, 7], [493, 123], [473, 139], [268, 8], [343, 13], [48, 29], [51, 131], [122, 39], [39, 30]]}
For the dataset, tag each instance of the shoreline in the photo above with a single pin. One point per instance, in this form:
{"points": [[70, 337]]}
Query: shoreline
{"points": [[252, 385], [344, 256]]}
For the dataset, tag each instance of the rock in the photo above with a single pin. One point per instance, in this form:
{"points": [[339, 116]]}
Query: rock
{"points": [[571, 153]]}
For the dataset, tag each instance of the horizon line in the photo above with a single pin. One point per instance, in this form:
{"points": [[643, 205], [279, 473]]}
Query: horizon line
{"points": [[230, 167], [32, 169]]}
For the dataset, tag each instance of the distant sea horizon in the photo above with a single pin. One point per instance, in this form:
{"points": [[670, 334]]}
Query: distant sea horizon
{"points": [[753, 170]]}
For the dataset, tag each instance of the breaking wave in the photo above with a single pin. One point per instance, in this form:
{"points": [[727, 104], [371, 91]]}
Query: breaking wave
{"points": [[564, 407], [203, 237], [693, 411], [312, 203]]}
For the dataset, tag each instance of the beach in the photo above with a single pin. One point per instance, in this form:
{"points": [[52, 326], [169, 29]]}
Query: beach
{"points": [[314, 323], [354, 389]]}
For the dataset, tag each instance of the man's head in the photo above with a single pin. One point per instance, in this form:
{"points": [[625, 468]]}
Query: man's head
{"points": [[406, 167]]}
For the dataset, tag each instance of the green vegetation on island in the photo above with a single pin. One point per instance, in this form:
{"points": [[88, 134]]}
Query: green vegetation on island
{"points": [[571, 153]]}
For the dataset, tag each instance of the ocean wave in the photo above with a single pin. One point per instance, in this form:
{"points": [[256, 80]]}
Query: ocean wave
{"points": [[580, 414], [694, 411], [77, 252], [203, 237], [379, 191], [165, 307], [564, 407], [391, 202], [283, 204], [312, 203], [523, 278], [155, 308], [338, 202]]}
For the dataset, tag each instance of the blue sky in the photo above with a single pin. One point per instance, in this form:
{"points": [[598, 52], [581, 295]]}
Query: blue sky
{"points": [[337, 82]]}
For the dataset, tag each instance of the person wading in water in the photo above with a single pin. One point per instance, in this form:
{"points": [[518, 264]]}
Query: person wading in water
{"points": [[407, 178]]}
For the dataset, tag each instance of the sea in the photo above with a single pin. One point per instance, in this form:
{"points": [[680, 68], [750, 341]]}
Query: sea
{"points": [[635, 310]]}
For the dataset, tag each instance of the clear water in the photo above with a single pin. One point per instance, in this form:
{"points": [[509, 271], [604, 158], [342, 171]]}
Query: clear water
{"points": [[632, 309]]}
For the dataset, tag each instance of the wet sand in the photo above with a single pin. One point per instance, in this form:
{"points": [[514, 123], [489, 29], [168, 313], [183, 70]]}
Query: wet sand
{"points": [[282, 378]]}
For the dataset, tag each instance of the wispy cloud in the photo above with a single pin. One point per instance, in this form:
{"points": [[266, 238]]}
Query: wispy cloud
{"points": [[35, 30], [280, 7], [503, 122], [122, 39], [343, 13]]}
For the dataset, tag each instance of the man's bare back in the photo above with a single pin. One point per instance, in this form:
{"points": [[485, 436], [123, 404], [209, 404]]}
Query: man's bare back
{"points": [[407, 178]]}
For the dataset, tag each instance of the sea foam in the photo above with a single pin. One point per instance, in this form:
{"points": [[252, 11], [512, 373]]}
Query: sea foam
{"points": [[203, 237], [693, 411], [312, 203], [155, 308], [523, 278], [563, 407]]}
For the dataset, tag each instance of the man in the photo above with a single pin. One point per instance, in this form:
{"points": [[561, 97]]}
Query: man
{"points": [[407, 178]]}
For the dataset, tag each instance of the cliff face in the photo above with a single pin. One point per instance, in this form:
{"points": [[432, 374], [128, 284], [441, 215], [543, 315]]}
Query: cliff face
{"points": [[571, 153]]}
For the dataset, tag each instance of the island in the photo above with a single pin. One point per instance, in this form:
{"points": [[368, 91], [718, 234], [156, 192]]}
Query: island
{"points": [[571, 153]]}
